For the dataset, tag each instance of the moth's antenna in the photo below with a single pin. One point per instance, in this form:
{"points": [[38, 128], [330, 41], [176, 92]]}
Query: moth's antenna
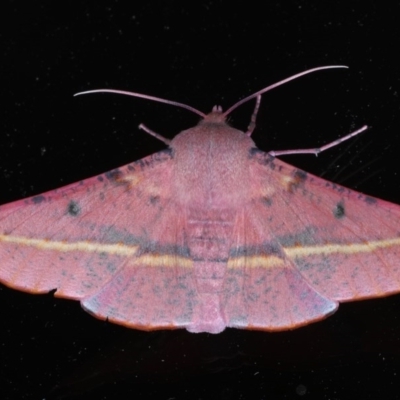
{"points": [[145, 96], [291, 78]]}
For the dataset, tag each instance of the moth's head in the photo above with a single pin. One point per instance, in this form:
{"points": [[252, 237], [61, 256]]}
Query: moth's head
{"points": [[215, 116]]}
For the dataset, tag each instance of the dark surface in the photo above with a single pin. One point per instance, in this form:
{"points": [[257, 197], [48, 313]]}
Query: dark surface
{"points": [[203, 54]]}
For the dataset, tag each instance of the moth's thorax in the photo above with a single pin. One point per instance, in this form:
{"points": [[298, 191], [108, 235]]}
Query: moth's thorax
{"points": [[211, 163]]}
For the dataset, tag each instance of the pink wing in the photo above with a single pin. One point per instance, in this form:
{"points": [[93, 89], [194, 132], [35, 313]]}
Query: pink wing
{"points": [[305, 244], [115, 242], [122, 246]]}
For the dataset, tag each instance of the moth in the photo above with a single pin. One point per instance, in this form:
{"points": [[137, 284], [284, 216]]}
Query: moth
{"points": [[207, 234]]}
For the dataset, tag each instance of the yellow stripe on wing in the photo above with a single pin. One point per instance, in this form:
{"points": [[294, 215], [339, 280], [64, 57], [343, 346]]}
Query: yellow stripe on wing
{"points": [[271, 261], [118, 249], [86, 246]]}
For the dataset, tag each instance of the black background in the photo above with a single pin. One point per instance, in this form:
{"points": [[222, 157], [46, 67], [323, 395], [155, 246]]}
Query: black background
{"points": [[202, 54]]}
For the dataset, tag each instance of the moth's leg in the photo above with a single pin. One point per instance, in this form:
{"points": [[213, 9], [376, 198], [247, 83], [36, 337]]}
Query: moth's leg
{"points": [[155, 134], [252, 124], [318, 150]]}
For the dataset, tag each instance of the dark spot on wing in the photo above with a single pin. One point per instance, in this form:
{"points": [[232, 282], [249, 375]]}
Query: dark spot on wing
{"points": [[111, 267], [339, 210], [254, 151], [271, 163], [273, 248], [341, 189], [73, 208], [38, 199], [267, 201], [267, 249], [303, 238], [156, 248], [114, 175], [299, 177], [144, 163], [154, 200], [110, 234], [369, 200], [161, 156], [262, 157]]}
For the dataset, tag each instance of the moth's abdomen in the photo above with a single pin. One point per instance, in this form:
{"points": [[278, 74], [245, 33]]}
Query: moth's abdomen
{"points": [[209, 240], [209, 234]]}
